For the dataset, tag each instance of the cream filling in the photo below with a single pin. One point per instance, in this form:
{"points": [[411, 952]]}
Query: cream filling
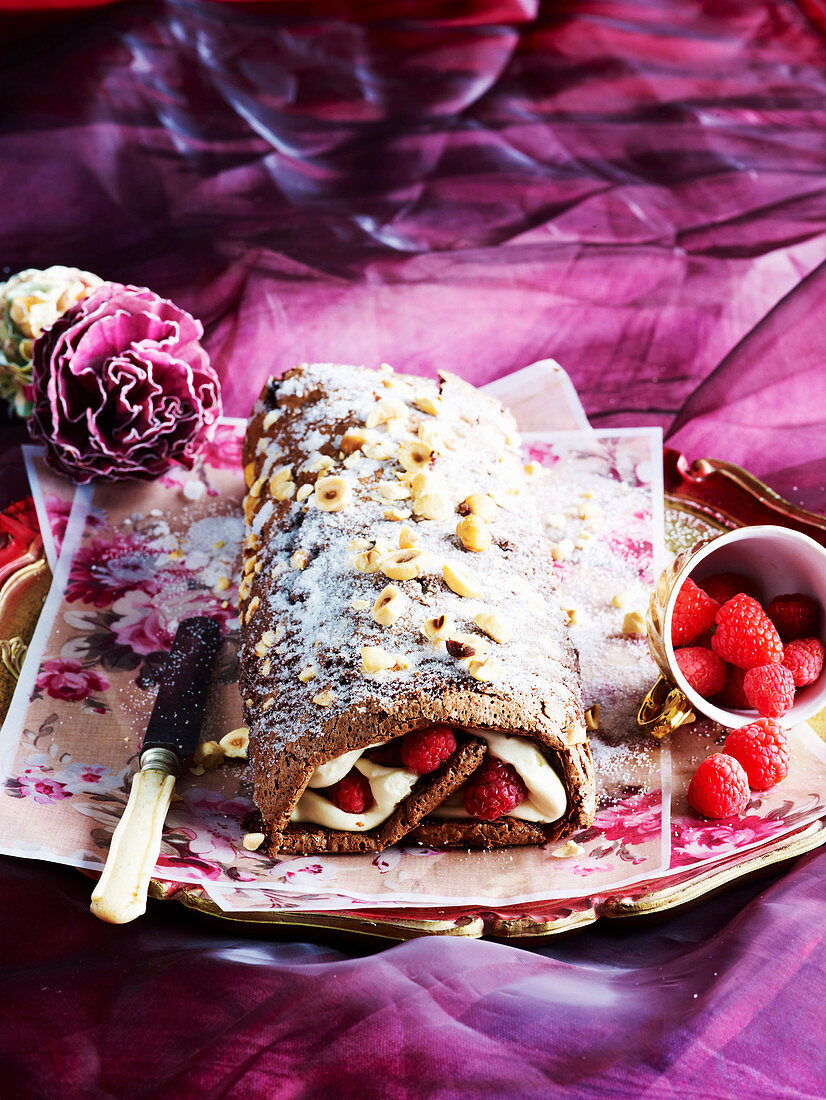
{"points": [[327, 774], [546, 801], [388, 786]]}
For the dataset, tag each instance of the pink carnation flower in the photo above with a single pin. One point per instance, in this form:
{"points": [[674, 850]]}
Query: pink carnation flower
{"points": [[122, 387]]}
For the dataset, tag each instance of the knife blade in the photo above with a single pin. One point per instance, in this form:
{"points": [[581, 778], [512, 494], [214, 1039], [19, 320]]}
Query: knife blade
{"points": [[171, 736]]}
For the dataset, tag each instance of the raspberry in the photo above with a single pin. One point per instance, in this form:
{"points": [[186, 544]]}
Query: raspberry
{"points": [[803, 657], [495, 788], [769, 689], [722, 586], [352, 793], [794, 615], [745, 635], [693, 613], [733, 695], [425, 750], [719, 788], [703, 669], [763, 750]]}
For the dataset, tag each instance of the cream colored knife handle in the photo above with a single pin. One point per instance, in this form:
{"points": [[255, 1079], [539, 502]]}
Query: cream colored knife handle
{"points": [[120, 894]]}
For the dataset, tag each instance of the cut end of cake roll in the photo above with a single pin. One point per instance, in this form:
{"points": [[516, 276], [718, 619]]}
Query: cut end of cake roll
{"points": [[396, 581]]}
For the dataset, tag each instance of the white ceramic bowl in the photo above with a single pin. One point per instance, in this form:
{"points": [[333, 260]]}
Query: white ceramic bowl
{"points": [[779, 561]]}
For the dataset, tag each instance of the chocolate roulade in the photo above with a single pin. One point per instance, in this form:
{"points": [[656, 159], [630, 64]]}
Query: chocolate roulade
{"points": [[406, 670]]}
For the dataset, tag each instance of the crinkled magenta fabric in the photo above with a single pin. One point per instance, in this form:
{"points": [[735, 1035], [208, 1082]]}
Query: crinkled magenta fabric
{"points": [[634, 187]]}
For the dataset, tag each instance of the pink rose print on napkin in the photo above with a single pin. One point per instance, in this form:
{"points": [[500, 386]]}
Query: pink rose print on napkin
{"points": [[66, 679], [108, 568], [40, 788], [633, 820], [146, 621]]}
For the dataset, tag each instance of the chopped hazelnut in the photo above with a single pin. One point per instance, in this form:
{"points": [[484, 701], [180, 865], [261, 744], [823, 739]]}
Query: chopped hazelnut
{"points": [[414, 455], [332, 493], [634, 623], [352, 440], [439, 627], [234, 745], [223, 583], [284, 490], [425, 483], [307, 674], [324, 698], [249, 473], [283, 473], [481, 505], [388, 606], [403, 565], [256, 487], [620, 600], [253, 841], [320, 463], [473, 534], [571, 615], [394, 490], [432, 506], [592, 717], [427, 403], [461, 580], [368, 561], [359, 605], [574, 734], [431, 434], [494, 626], [270, 419], [303, 492], [562, 550], [396, 515], [485, 669], [268, 640], [300, 559], [375, 659], [408, 537], [386, 409], [208, 754], [378, 449]]}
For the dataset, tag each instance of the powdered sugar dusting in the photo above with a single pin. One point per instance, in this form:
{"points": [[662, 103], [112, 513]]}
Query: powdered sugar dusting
{"points": [[596, 493], [475, 451]]}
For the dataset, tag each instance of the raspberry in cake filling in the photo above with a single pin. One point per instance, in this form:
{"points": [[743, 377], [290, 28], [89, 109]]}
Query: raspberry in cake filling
{"points": [[359, 790]]}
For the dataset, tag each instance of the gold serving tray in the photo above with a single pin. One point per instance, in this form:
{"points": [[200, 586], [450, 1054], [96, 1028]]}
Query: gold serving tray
{"points": [[700, 500]]}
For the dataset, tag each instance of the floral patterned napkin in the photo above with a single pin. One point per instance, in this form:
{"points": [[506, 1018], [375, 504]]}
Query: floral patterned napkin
{"points": [[139, 557]]}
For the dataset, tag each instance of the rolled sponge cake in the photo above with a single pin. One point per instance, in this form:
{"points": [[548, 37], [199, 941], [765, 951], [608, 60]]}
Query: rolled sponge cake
{"points": [[396, 577]]}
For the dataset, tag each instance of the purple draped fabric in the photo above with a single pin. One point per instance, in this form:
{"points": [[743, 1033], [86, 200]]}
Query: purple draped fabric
{"points": [[630, 186]]}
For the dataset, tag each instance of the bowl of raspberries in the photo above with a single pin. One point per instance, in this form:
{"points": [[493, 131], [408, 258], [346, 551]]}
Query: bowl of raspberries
{"points": [[744, 627]]}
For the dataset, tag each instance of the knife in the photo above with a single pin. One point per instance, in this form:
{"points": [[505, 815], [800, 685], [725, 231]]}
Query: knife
{"points": [[172, 735]]}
